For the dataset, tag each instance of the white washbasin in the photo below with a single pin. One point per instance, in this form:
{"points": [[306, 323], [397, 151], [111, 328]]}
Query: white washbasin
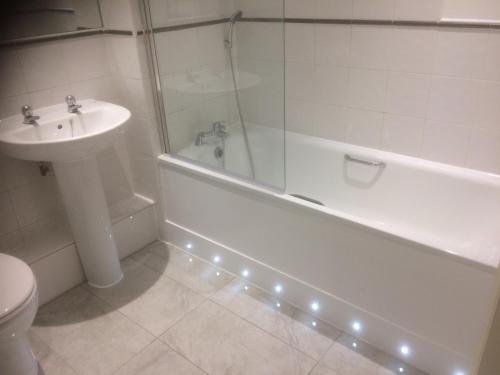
{"points": [[70, 141], [61, 136]]}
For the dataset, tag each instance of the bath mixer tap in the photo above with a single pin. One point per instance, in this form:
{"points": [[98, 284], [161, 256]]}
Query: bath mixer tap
{"points": [[218, 131], [29, 117], [72, 106]]}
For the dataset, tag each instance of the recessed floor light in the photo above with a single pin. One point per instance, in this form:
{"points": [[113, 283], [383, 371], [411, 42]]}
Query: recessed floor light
{"points": [[314, 306]]}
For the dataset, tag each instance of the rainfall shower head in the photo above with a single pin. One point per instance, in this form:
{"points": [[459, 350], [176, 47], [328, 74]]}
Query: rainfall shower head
{"points": [[228, 40]]}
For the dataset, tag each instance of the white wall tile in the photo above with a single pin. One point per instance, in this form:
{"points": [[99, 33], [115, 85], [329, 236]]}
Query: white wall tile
{"points": [[114, 178], [462, 53], [86, 58], [300, 81], [11, 74], [12, 242], [467, 9], [421, 10], [488, 105], [373, 9], [365, 128], [146, 176], [12, 105], [332, 44], [403, 134], [44, 66], [137, 136], [367, 89], [300, 9], [182, 128], [340, 9], [332, 122], [445, 143], [211, 45], [300, 116], [452, 100], [8, 219], [299, 42], [127, 56], [47, 97], [412, 49], [18, 172], [37, 200], [99, 89], [120, 14], [331, 84], [260, 8], [371, 47], [484, 151], [408, 94]]}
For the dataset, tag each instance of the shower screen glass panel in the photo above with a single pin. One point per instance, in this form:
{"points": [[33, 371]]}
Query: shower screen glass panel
{"points": [[220, 68]]}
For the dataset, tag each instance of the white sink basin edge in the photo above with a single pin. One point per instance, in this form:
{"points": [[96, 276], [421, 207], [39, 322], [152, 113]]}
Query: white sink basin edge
{"points": [[61, 136]]}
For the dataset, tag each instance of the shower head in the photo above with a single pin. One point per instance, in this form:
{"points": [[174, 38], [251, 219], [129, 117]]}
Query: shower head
{"points": [[228, 40]]}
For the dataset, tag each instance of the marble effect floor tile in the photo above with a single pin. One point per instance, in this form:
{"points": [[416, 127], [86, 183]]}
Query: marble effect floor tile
{"points": [[152, 301], [321, 369], [92, 337], [220, 342], [285, 322], [49, 361], [351, 356], [198, 275], [158, 359]]}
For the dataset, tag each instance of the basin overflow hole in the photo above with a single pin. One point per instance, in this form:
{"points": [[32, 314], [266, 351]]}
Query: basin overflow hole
{"points": [[59, 126]]}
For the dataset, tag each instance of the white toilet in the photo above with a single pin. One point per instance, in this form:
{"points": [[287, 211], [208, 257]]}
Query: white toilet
{"points": [[18, 306]]}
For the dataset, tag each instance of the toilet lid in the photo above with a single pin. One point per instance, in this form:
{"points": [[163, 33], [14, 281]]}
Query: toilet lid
{"points": [[16, 283]]}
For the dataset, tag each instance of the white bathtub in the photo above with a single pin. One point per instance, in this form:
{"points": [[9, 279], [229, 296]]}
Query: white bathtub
{"points": [[410, 249]]}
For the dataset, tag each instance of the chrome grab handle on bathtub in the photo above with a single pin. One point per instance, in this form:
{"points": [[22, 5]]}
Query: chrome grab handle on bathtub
{"points": [[371, 163]]}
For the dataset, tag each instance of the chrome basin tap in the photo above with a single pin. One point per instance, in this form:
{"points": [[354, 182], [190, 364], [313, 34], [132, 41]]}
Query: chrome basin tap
{"points": [[218, 132], [29, 117], [72, 106]]}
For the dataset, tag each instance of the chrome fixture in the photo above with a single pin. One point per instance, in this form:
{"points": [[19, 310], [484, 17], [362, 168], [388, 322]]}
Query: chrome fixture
{"points": [[218, 152], [44, 168], [228, 41], [29, 117], [371, 163], [228, 44], [72, 106], [218, 132]]}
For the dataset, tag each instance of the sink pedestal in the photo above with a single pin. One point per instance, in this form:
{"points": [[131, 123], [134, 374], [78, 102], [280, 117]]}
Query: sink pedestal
{"points": [[86, 206]]}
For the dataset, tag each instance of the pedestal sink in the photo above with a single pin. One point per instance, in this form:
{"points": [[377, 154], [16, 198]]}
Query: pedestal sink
{"points": [[70, 141]]}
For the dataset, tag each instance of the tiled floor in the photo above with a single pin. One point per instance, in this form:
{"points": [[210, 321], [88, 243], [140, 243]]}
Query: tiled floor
{"points": [[176, 314]]}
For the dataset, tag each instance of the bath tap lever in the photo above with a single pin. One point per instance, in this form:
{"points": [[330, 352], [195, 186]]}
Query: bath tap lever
{"points": [[218, 131], [29, 117], [371, 163], [72, 106]]}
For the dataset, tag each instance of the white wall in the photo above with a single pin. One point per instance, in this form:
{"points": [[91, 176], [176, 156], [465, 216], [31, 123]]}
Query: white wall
{"points": [[105, 67], [40, 75], [191, 62], [422, 91]]}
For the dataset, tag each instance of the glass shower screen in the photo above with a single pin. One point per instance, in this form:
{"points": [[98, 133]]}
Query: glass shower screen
{"points": [[220, 70]]}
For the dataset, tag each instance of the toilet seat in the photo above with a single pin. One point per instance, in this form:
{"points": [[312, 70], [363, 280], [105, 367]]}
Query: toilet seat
{"points": [[17, 284]]}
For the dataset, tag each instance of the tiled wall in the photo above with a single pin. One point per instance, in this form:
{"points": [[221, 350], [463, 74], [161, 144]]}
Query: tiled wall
{"points": [[105, 67], [41, 75], [193, 68], [421, 91]]}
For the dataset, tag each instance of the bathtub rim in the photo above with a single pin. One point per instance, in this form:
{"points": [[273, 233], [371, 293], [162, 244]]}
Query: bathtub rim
{"points": [[283, 199]]}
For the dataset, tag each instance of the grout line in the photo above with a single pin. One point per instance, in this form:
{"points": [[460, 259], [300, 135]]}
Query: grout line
{"points": [[184, 356]]}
